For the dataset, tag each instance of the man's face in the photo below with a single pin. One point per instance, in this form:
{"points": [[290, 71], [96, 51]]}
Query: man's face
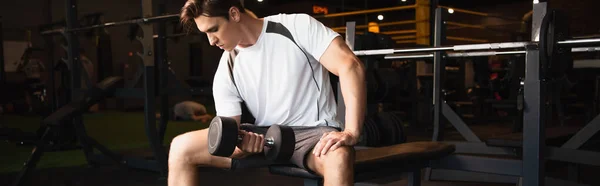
{"points": [[220, 32]]}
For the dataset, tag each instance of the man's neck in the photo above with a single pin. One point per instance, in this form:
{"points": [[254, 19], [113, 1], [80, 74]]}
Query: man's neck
{"points": [[251, 30]]}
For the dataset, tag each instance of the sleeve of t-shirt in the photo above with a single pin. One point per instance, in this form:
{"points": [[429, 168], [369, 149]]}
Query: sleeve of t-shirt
{"points": [[312, 35], [227, 99]]}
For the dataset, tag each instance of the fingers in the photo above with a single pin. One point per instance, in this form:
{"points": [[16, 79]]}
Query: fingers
{"points": [[335, 146], [247, 142], [319, 146], [328, 145], [244, 141], [251, 142], [258, 143]]}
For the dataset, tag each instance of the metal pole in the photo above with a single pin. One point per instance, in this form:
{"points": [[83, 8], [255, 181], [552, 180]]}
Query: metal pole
{"points": [[483, 46], [437, 73], [483, 53], [75, 69], [147, 19], [533, 122], [147, 56], [2, 70], [161, 57], [580, 41], [539, 11], [533, 113], [433, 5]]}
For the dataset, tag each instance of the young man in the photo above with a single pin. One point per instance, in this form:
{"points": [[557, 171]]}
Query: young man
{"points": [[279, 69], [189, 111]]}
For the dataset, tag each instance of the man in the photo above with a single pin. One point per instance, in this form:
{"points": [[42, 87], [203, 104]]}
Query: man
{"points": [[87, 73], [33, 69], [282, 80], [189, 111]]}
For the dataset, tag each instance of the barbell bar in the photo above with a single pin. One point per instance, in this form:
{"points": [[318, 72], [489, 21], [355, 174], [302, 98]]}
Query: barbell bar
{"points": [[111, 24], [483, 53], [485, 46]]}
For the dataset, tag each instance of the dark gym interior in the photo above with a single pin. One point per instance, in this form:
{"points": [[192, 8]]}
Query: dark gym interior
{"points": [[458, 92]]}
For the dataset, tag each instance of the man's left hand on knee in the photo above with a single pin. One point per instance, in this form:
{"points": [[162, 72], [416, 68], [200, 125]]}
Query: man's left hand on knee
{"points": [[333, 140]]}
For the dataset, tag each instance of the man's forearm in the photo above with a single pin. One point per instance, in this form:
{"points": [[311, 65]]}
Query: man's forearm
{"points": [[352, 83]]}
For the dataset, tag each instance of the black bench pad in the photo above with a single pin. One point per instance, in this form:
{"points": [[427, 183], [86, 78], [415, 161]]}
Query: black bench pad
{"points": [[409, 156]]}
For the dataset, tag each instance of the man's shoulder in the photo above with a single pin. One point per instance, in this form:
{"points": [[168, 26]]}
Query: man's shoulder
{"points": [[287, 17]]}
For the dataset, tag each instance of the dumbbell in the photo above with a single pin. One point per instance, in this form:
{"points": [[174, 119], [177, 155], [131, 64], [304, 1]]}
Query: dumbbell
{"points": [[223, 137]]}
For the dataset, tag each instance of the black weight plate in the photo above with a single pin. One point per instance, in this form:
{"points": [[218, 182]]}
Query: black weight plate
{"points": [[386, 129], [396, 124], [371, 133], [222, 136], [376, 134], [391, 130], [283, 143], [362, 141], [555, 60], [375, 140], [402, 135]]}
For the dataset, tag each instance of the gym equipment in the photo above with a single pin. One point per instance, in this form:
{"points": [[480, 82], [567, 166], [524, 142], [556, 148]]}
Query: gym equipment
{"points": [[144, 20], [155, 77], [60, 117], [555, 59], [223, 136], [529, 170], [382, 129]]}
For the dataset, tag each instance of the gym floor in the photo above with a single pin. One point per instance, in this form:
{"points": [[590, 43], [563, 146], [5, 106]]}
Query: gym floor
{"points": [[123, 131]]}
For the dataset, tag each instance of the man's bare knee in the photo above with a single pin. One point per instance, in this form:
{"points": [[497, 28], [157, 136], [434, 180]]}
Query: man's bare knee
{"points": [[188, 148], [341, 155]]}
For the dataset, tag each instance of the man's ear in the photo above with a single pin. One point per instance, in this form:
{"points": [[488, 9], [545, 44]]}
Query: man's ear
{"points": [[234, 14]]}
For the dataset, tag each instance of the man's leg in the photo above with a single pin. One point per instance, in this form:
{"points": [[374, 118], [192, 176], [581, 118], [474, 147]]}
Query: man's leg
{"points": [[336, 167], [190, 150], [187, 152]]}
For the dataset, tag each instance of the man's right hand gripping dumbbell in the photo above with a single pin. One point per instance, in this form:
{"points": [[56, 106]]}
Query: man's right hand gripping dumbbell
{"points": [[223, 136]]}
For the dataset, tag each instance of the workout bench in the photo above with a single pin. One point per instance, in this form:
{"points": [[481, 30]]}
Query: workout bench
{"points": [[374, 162]]}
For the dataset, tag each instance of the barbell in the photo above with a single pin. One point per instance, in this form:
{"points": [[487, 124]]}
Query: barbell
{"points": [[554, 47]]}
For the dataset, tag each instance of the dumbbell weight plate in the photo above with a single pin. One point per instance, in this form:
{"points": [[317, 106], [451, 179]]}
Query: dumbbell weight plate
{"points": [[222, 136], [284, 141]]}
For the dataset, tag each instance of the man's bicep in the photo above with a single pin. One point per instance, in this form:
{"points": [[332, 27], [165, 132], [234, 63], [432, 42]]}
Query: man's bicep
{"points": [[338, 56]]}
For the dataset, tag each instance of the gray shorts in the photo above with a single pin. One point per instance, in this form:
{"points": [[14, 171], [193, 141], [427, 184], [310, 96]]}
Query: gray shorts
{"points": [[306, 139]]}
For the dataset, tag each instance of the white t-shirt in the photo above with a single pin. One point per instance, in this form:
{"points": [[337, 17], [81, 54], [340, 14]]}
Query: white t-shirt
{"points": [[275, 79]]}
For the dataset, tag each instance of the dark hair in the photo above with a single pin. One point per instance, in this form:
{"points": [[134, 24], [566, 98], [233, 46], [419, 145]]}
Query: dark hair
{"points": [[210, 8]]}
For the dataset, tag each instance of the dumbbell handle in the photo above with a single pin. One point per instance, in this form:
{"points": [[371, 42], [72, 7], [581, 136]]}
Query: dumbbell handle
{"points": [[269, 142]]}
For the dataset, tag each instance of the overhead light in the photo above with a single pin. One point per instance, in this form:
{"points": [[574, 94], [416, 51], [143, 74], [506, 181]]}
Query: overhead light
{"points": [[380, 17], [403, 0], [260, 1], [450, 10], [536, 1]]}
